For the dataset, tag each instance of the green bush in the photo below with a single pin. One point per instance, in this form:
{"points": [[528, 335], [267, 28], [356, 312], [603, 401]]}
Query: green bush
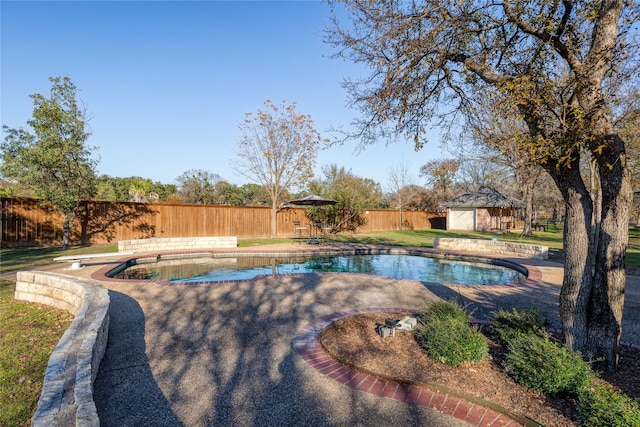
{"points": [[505, 325], [447, 336], [601, 405], [444, 310], [538, 363]]}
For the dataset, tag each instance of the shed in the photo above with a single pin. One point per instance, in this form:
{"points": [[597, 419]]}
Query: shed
{"points": [[483, 210]]}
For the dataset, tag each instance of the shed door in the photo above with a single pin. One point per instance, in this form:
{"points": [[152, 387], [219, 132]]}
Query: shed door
{"points": [[462, 219]]}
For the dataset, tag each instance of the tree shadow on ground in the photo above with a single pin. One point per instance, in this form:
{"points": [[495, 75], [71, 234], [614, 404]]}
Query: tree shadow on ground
{"points": [[125, 392], [222, 354], [481, 302]]}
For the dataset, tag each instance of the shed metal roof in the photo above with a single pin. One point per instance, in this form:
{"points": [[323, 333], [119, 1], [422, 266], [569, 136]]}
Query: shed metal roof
{"points": [[485, 197]]}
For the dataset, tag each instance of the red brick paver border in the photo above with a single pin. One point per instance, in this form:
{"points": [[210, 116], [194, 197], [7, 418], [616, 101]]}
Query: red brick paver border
{"points": [[306, 344]]}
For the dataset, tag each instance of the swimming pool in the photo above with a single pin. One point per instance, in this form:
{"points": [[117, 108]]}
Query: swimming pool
{"points": [[397, 266]]}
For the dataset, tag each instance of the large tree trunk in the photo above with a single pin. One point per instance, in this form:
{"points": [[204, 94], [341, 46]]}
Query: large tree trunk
{"points": [[592, 293], [603, 281], [607, 300], [577, 282]]}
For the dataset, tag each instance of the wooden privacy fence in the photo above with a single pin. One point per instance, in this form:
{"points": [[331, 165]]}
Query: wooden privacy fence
{"points": [[26, 222]]}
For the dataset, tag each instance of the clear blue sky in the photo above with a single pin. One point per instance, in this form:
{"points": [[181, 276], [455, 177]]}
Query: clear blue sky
{"points": [[167, 83]]}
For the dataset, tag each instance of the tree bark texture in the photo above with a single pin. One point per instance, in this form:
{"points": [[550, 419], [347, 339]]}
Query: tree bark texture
{"points": [[592, 293], [577, 282], [595, 238], [607, 299]]}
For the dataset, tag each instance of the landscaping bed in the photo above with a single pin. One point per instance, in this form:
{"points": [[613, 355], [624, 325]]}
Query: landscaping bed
{"points": [[353, 341]]}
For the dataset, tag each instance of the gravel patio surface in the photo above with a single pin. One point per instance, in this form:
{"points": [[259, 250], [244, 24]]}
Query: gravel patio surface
{"points": [[222, 354]]}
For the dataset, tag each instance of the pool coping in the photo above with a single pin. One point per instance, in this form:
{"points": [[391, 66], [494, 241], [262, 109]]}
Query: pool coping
{"points": [[532, 273]]}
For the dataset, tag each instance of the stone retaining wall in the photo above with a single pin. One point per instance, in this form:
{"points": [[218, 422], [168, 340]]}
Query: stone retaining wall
{"points": [[492, 247], [178, 243], [67, 393]]}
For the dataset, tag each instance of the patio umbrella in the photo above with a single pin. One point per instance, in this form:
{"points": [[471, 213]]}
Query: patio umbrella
{"points": [[313, 200]]}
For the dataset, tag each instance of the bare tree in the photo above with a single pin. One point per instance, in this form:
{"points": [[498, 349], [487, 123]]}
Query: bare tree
{"points": [[401, 186], [278, 150], [422, 199], [478, 172]]}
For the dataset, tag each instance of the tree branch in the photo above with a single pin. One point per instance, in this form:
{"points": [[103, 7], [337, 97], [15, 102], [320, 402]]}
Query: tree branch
{"points": [[545, 36], [482, 71]]}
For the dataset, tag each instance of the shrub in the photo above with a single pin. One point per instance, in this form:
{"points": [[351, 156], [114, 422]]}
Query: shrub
{"points": [[444, 310], [505, 325], [538, 363], [447, 336], [601, 405]]}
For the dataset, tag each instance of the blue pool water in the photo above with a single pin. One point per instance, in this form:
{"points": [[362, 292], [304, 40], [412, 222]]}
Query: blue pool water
{"points": [[411, 267]]}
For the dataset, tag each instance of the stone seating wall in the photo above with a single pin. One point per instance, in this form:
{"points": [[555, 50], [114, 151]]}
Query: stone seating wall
{"points": [[67, 392], [177, 243], [493, 247]]}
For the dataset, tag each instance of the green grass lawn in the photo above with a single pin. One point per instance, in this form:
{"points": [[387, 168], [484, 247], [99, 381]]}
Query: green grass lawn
{"points": [[12, 259], [30, 332], [424, 239]]}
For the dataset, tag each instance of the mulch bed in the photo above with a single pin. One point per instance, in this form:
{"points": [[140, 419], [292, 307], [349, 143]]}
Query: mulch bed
{"points": [[353, 341]]}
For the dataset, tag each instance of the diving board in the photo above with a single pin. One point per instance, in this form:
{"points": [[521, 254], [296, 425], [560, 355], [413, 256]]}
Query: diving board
{"points": [[76, 259]]}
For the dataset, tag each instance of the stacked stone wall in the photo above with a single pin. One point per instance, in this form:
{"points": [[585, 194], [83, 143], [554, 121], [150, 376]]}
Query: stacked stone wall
{"points": [[67, 392], [492, 247], [178, 243]]}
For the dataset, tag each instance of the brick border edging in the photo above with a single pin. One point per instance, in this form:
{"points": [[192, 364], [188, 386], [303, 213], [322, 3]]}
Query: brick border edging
{"points": [[306, 343], [67, 392]]}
